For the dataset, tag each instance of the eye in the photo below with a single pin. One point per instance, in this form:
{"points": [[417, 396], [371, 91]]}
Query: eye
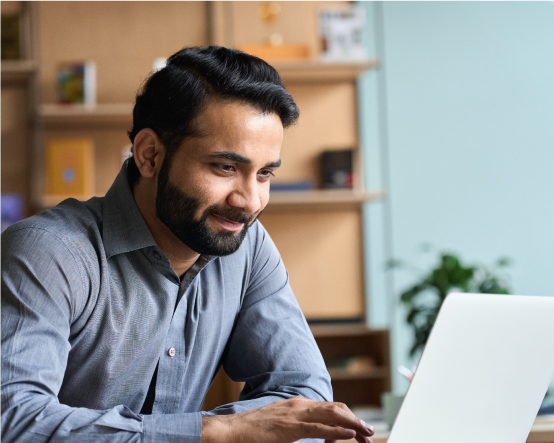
{"points": [[266, 174], [225, 168]]}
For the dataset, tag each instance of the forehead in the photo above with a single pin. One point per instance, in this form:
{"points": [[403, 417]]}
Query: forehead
{"points": [[235, 126]]}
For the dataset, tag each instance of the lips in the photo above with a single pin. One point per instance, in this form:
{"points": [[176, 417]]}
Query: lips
{"points": [[227, 224]]}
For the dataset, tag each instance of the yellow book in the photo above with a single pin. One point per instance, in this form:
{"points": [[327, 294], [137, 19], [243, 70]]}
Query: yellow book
{"points": [[70, 167]]}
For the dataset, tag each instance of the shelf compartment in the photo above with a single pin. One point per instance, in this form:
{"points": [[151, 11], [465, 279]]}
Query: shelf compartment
{"points": [[317, 71], [344, 341], [297, 72], [53, 113]]}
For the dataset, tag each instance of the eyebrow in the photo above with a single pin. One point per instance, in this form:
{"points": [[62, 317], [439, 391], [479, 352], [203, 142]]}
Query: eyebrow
{"points": [[232, 156]]}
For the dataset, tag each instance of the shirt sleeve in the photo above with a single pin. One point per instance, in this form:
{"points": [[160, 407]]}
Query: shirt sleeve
{"points": [[272, 348], [43, 282]]}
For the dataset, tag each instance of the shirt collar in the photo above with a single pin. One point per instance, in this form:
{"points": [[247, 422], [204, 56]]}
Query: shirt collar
{"points": [[124, 229]]}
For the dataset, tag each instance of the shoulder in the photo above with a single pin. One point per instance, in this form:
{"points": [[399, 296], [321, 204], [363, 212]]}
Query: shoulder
{"points": [[68, 220], [56, 252], [72, 228]]}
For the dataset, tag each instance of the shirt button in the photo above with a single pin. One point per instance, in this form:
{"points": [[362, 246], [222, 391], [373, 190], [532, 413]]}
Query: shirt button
{"points": [[171, 352], [156, 255]]}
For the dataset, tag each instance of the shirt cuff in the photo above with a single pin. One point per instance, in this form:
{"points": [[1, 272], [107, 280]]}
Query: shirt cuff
{"points": [[172, 428]]}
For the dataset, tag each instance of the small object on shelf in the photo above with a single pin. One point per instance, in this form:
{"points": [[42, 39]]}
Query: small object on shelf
{"points": [[70, 167], [274, 48], [301, 185], [269, 11], [10, 37], [77, 83], [159, 63], [12, 209], [341, 30], [336, 169]]}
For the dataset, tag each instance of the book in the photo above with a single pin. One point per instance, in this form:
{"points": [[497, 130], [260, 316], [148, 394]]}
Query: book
{"points": [[70, 167], [77, 83], [341, 31], [300, 185], [12, 209]]}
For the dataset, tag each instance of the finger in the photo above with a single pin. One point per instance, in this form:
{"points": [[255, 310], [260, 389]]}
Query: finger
{"points": [[319, 430], [370, 428], [362, 439], [338, 414]]}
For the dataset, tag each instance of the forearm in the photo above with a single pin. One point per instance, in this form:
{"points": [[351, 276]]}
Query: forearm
{"points": [[36, 418]]}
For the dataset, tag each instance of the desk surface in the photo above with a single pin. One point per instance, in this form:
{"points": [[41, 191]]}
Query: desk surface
{"points": [[541, 432]]}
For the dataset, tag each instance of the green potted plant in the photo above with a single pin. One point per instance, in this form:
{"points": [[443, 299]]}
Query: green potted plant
{"points": [[424, 299]]}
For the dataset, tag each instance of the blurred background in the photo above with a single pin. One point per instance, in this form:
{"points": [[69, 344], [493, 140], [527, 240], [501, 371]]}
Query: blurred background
{"points": [[426, 130]]}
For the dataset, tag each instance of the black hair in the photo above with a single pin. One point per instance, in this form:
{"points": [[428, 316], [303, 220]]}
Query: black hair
{"points": [[172, 97]]}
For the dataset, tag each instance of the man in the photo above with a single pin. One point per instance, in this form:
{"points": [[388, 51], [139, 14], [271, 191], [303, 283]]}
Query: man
{"points": [[117, 312]]}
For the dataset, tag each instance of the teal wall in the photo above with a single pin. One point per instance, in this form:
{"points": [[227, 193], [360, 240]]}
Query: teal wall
{"points": [[458, 127]]}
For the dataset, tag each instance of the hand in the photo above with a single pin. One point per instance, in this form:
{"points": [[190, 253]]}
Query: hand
{"points": [[287, 421]]}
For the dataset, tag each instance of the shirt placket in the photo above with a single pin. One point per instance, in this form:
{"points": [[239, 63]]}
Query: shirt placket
{"points": [[172, 363]]}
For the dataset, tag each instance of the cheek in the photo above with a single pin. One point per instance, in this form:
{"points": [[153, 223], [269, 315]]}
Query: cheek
{"points": [[210, 191]]}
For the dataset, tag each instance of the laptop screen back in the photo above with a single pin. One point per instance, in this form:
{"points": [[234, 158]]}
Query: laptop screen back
{"points": [[483, 373]]}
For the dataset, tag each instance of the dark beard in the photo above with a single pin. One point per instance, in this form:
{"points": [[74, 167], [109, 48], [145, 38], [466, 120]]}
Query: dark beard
{"points": [[177, 210]]}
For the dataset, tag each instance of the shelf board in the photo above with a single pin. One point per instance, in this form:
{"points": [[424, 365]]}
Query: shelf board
{"points": [[101, 113], [294, 201], [318, 71], [320, 198], [18, 70], [345, 374], [342, 330]]}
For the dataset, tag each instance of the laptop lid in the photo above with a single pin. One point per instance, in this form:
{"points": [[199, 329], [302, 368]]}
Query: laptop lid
{"points": [[483, 374]]}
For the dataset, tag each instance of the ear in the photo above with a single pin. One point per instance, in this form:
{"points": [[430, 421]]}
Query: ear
{"points": [[149, 152]]}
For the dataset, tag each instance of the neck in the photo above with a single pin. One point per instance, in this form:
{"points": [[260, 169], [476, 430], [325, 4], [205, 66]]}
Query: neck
{"points": [[180, 255]]}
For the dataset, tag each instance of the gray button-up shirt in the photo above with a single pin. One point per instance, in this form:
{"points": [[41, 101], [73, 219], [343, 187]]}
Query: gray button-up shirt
{"points": [[90, 305]]}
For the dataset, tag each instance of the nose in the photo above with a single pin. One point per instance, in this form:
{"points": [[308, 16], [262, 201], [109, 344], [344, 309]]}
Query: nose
{"points": [[246, 196]]}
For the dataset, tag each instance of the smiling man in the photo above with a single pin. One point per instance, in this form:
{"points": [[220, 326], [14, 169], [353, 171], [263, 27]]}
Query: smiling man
{"points": [[118, 312]]}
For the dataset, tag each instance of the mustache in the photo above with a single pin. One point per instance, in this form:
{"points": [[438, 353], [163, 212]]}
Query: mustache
{"points": [[232, 215]]}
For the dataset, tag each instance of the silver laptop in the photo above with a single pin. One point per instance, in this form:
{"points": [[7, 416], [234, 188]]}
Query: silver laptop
{"points": [[483, 373]]}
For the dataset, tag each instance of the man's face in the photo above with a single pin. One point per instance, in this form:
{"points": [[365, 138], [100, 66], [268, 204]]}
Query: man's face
{"points": [[217, 183]]}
